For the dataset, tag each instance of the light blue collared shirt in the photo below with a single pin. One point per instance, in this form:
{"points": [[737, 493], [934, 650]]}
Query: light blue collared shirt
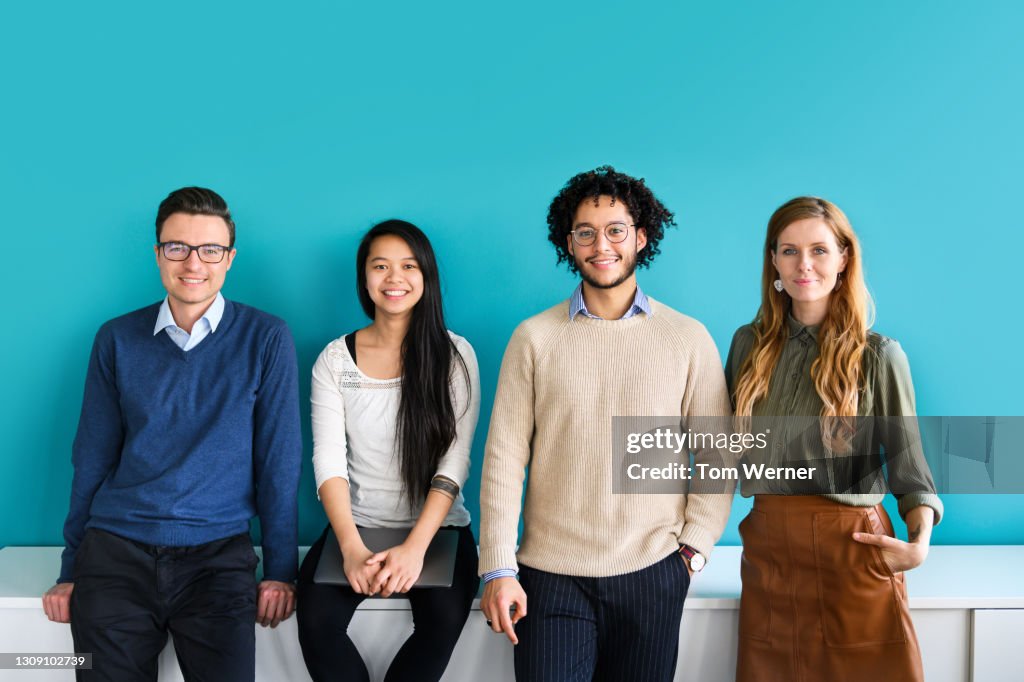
{"points": [[206, 324], [577, 306]]}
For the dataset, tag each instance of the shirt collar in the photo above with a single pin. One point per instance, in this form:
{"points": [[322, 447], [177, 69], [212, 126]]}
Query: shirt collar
{"points": [[796, 327], [577, 305], [213, 315]]}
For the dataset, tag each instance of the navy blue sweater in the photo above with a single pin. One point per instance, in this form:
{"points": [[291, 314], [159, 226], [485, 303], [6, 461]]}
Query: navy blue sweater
{"points": [[182, 448]]}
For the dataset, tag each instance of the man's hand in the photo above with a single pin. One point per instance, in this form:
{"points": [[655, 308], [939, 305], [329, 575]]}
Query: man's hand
{"points": [[57, 602], [500, 596], [275, 603], [400, 568]]}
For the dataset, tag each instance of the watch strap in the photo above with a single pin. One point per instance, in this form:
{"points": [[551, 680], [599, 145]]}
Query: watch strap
{"points": [[690, 553]]}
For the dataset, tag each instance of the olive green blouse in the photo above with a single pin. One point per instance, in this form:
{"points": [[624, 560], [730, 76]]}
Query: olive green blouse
{"points": [[887, 397]]}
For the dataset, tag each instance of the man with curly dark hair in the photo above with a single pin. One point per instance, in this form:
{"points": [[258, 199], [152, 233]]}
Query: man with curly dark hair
{"points": [[636, 198], [606, 574]]}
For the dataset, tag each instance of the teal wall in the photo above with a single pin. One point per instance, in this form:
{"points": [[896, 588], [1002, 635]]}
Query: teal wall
{"points": [[315, 122]]}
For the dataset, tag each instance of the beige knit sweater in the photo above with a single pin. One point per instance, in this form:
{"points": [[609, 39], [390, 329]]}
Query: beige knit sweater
{"points": [[561, 383]]}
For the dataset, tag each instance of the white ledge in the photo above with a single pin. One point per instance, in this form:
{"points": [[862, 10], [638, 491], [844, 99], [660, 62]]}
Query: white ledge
{"points": [[953, 577]]}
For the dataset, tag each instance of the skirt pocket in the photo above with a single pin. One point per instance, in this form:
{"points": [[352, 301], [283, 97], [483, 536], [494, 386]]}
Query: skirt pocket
{"points": [[858, 600]]}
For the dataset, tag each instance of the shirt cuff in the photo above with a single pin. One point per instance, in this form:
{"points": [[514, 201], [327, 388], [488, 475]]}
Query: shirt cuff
{"points": [[913, 500], [499, 573]]}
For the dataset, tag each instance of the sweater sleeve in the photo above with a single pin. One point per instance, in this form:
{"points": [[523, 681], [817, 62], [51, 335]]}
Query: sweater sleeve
{"points": [[454, 465], [506, 456], [277, 456], [330, 454], [909, 476], [97, 446], [706, 399]]}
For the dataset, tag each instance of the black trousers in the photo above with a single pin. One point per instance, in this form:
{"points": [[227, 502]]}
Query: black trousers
{"points": [[325, 611], [129, 595], [623, 627]]}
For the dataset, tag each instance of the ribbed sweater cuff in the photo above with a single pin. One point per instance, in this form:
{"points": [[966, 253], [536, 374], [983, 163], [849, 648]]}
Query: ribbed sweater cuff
{"points": [[701, 539], [493, 558], [67, 565]]}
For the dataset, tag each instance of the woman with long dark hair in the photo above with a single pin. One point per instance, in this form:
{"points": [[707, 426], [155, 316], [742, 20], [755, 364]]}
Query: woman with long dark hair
{"points": [[394, 407], [824, 596]]}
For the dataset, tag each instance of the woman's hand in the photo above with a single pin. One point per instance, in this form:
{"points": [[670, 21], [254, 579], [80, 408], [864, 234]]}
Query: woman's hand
{"points": [[897, 554], [359, 571], [400, 568]]}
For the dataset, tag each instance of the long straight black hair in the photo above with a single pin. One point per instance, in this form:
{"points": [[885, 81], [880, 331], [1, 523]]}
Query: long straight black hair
{"points": [[426, 415]]}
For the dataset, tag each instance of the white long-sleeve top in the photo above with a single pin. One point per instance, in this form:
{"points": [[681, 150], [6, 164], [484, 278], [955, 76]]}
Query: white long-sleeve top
{"points": [[354, 418]]}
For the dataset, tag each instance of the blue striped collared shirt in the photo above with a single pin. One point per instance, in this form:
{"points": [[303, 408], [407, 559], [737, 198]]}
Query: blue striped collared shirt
{"points": [[578, 306]]}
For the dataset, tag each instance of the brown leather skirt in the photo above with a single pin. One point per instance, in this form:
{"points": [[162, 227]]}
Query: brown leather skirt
{"points": [[816, 605]]}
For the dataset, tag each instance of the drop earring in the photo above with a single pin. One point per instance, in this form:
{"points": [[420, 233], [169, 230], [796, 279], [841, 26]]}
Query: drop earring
{"points": [[778, 285]]}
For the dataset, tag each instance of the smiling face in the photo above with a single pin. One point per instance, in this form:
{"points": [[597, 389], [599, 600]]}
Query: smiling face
{"points": [[192, 284], [809, 259], [606, 264], [394, 280]]}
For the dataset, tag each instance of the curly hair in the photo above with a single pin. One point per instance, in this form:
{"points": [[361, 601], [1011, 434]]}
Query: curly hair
{"points": [[645, 209]]}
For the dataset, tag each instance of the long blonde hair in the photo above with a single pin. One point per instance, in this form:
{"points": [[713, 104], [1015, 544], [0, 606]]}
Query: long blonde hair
{"points": [[842, 336]]}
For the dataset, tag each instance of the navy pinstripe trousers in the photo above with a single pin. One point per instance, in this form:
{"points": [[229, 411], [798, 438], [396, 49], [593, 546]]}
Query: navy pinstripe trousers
{"points": [[623, 627]]}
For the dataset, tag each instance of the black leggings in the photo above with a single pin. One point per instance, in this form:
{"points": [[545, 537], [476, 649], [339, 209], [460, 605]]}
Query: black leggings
{"points": [[325, 611]]}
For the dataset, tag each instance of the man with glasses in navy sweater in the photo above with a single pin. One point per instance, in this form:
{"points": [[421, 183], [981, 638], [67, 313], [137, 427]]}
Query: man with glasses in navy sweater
{"points": [[189, 428]]}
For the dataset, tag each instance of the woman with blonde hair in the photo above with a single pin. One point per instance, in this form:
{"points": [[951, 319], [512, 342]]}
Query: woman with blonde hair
{"points": [[824, 595]]}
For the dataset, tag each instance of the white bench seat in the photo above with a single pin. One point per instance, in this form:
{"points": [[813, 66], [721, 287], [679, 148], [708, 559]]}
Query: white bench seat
{"points": [[967, 604]]}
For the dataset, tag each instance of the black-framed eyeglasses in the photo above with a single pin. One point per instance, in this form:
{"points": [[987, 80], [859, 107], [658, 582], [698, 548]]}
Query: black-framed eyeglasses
{"points": [[208, 253], [585, 235]]}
